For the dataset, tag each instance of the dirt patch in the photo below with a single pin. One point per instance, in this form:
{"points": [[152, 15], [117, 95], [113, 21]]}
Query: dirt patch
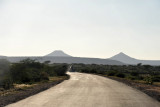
{"points": [[24, 93], [151, 90]]}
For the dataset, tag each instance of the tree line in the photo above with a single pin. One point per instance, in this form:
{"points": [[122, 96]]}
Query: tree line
{"points": [[146, 73], [28, 71]]}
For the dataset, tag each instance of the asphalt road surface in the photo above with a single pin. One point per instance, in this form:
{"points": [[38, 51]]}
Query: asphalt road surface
{"points": [[86, 90]]}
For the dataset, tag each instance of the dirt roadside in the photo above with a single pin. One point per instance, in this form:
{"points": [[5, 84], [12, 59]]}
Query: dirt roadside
{"points": [[151, 90], [86, 90], [22, 94]]}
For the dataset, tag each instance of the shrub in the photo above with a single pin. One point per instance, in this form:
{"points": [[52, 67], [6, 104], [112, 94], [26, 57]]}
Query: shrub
{"points": [[44, 76], [111, 73], [121, 75], [5, 80], [94, 71], [134, 73], [27, 71], [60, 70], [148, 79], [85, 70], [156, 78], [131, 77], [4, 66], [140, 77]]}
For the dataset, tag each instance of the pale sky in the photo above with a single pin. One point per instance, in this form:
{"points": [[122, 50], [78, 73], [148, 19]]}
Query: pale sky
{"points": [[83, 28]]}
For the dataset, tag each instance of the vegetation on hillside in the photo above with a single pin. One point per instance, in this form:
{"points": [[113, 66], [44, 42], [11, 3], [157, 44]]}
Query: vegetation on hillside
{"points": [[148, 74]]}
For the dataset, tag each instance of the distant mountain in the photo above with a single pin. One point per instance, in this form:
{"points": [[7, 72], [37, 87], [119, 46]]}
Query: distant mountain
{"points": [[2, 57], [124, 58], [58, 53], [129, 60], [61, 57], [69, 60]]}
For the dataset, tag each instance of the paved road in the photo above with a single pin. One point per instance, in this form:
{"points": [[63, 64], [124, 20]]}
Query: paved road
{"points": [[86, 90]]}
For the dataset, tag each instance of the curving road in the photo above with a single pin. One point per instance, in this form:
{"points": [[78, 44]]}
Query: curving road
{"points": [[86, 90]]}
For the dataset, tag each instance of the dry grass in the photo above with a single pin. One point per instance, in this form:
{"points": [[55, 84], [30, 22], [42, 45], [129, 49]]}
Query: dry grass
{"points": [[157, 83], [7, 92], [23, 86], [19, 87], [51, 79], [25, 90]]}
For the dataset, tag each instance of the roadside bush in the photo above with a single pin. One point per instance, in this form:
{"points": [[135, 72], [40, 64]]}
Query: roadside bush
{"points": [[28, 71], [131, 77], [94, 71], [5, 80], [85, 70], [60, 70], [121, 75], [31, 71], [22, 74], [44, 76], [156, 78], [111, 73], [134, 73], [148, 80], [140, 77], [101, 72], [4, 66]]}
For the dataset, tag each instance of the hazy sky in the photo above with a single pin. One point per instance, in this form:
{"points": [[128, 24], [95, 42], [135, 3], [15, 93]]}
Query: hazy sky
{"points": [[85, 28]]}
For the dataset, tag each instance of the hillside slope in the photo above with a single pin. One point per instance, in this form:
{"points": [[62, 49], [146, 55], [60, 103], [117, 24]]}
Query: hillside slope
{"points": [[58, 53], [69, 60], [129, 60]]}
